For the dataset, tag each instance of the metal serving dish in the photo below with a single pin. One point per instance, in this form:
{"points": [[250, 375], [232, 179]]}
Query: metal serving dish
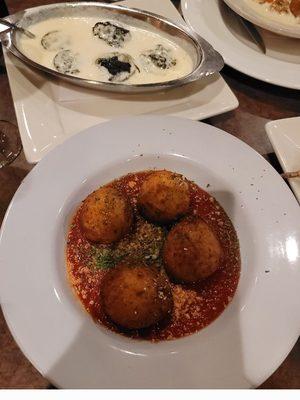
{"points": [[206, 60]]}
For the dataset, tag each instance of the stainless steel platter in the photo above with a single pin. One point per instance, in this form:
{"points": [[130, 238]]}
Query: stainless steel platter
{"points": [[206, 60]]}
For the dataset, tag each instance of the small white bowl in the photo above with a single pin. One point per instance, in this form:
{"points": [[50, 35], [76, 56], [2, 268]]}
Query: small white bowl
{"points": [[244, 9]]}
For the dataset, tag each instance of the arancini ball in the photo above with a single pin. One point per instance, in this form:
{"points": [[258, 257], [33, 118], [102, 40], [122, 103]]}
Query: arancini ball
{"points": [[136, 297], [164, 197], [106, 216], [191, 251], [295, 7]]}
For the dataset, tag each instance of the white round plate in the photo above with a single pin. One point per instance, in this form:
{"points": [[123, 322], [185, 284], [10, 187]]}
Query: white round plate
{"points": [[244, 9], [220, 26], [238, 350]]}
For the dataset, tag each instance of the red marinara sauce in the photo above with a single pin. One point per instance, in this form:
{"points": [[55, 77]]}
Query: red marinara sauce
{"points": [[195, 305]]}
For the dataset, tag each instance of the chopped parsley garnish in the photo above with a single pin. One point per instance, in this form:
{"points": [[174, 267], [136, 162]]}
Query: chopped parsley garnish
{"points": [[105, 259]]}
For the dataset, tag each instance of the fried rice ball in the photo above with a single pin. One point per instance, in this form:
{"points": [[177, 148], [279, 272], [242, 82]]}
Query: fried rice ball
{"points": [[164, 197], [136, 297], [192, 251], [106, 216], [295, 7]]}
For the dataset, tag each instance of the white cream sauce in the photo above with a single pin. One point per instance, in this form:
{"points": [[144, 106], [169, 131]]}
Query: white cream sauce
{"points": [[266, 11], [88, 48]]}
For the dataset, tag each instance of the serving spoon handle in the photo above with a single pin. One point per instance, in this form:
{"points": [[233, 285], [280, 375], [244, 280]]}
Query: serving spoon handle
{"points": [[14, 26]]}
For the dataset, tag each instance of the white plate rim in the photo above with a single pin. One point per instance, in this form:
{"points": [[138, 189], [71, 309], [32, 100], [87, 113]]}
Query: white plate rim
{"points": [[241, 65]]}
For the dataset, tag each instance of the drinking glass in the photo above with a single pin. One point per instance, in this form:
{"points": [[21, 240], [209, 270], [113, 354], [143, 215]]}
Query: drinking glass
{"points": [[10, 144]]}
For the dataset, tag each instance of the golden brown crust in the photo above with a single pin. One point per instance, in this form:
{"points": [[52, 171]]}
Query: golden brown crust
{"points": [[136, 297], [192, 251], [295, 7], [164, 197], [106, 216]]}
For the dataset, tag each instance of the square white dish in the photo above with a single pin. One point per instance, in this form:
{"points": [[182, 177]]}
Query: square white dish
{"points": [[284, 135], [49, 111], [240, 349]]}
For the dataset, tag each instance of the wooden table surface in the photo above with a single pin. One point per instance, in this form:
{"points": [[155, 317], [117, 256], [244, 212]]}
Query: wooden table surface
{"points": [[259, 103]]}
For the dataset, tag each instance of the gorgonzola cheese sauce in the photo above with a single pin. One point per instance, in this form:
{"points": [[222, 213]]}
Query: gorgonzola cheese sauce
{"points": [[106, 50]]}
